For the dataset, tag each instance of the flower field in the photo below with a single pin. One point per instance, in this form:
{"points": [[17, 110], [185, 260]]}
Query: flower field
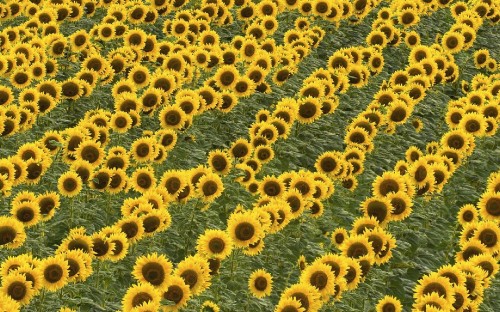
{"points": [[239, 155]]}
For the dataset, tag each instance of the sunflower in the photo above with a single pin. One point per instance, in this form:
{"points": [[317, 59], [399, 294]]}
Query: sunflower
{"points": [[210, 187], [432, 300], [151, 99], [244, 229], [243, 87], [389, 303], [72, 89], [487, 262], [271, 186], [156, 221], [304, 184], [488, 234], [32, 274], [241, 149], [358, 136], [452, 42], [481, 58], [69, 184], [83, 168], [256, 248], [473, 123], [461, 298], [121, 122], [119, 242], [398, 112], [167, 138], [174, 181], [215, 243], [142, 149], [356, 247], [6, 96], [378, 207], [454, 274], [494, 182], [401, 204], [127, 102], [353, 273], [321, 276], [48, 203], [260, 283], [12, 234], [209, 306], [80, 265], [153, 269], [27, 212], [20, 78], [132, 226], [139, 75], [474, 279], [289, 304], [101, 246], [55, 272], [172, 117], [176, 291], [308, 296], [95, 62], [76, 240], [140, 294], [90, 151], [143, 179], [252, 186], [420, 172], [219, 161], [296, 202], [434, 283], [338, 236], [17, 287], [388, 182], [195, 272]]}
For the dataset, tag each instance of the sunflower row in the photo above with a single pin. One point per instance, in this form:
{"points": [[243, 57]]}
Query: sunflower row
{"points": [[476, 261]]}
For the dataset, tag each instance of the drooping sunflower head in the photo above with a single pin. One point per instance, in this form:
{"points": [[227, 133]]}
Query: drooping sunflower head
{"points": [[195, 272], [177, 291], [378, 207]]}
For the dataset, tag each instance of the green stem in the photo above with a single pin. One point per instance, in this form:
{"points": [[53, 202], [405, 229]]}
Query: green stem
{"points": [[42, 299]]}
